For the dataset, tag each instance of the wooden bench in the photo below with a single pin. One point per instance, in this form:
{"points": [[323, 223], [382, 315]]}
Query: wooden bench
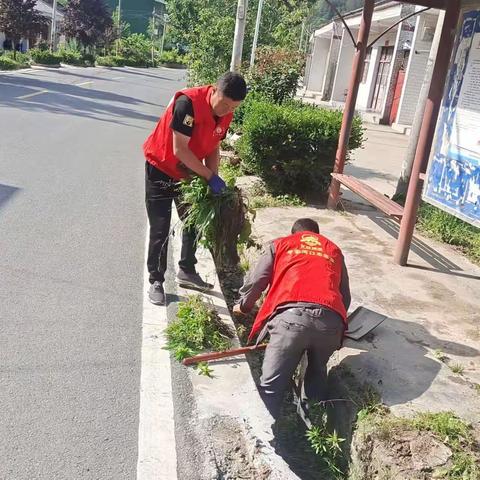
{"points": [[381, 202]]}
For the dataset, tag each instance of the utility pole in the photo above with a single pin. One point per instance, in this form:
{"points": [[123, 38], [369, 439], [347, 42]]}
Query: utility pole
{"points": [[239, 35], [255, 36], [301, 36], [164, 29], [53, 29], [407, 164], [119, 21]]}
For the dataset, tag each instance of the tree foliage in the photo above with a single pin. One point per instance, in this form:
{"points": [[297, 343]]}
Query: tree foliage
{"points": [[19, 19], [87, 21]]}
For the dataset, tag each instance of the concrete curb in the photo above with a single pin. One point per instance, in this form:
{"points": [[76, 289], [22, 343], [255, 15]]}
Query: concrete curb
{"points": [[229, 402]]}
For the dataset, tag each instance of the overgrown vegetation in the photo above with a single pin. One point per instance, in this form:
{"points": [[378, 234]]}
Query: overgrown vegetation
{"points": [[292, 147], [197, 328], [449, 229], [221, 221]]}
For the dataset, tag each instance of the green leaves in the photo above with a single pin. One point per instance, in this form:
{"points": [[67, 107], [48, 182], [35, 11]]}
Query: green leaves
{"points": [[197, 328], [292, 146]]}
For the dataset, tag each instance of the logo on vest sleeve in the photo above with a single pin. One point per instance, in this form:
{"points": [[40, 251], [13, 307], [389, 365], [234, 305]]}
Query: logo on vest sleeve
{"points": [[219, 131], [188, 121]]}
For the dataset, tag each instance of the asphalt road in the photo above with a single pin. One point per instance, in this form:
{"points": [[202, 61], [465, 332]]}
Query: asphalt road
{"points": [[72, 238]]}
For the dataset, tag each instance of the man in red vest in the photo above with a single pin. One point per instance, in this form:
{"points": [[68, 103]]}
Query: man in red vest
{"points": [[186, 140], [305, 309]]}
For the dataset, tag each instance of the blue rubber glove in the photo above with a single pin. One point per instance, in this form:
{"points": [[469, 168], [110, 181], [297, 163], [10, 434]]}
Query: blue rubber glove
{"points": [[216, 184]]}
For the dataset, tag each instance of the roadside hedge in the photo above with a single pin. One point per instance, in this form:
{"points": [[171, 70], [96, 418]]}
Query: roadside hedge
{"points": [[43, 57], [110, 61], [7, 63], [292, 146]]}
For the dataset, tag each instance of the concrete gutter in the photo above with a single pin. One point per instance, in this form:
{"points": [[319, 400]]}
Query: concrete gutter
{"points": [[222, 427]]}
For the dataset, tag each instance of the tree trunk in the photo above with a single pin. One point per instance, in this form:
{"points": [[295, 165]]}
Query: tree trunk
{"points": [[404, 179]]}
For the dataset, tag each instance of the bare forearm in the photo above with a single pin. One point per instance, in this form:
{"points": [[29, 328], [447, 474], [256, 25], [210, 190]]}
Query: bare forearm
{"points": [[213, 161], [186, 156]]}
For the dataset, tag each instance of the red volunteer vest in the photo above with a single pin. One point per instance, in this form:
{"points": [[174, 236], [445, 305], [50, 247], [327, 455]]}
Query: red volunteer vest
{"points": [[207, 133], [307, 268]]}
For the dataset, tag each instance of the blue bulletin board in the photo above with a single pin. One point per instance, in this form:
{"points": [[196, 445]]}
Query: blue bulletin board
{"points": [[453, 176]]}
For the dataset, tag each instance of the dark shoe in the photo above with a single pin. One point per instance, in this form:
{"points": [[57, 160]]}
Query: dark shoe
{"points": [[156, 294], [192, 281]]}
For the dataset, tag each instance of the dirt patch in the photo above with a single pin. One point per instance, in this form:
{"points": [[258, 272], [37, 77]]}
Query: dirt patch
{"points": [[228, 454]]}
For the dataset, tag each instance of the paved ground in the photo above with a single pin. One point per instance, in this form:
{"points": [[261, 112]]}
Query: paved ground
{"points": [[72, 238], [432, 305]]}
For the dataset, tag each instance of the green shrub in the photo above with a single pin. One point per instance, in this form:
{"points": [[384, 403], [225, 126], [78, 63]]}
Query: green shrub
{"points": [[7, 63], [110, 61], [71, 57], [292, 146], [44, 57], [21, 59], [276, 73], [449, 229], [136, 49], [171, 56]]}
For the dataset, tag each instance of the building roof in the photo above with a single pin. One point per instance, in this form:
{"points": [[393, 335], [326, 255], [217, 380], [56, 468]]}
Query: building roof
{"points": [[46, 10]]}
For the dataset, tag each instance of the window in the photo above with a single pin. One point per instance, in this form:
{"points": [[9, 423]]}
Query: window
{"points": [[366, 64]]}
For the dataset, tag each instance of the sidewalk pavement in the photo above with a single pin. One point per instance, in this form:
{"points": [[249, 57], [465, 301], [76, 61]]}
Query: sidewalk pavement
{"points": [[433, 306]]}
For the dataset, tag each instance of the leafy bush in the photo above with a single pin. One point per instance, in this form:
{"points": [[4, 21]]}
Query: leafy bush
{"points": [[171, 56], [276, 73], [196, 328], [44, 57], [136, 49], [449, 229], [292, 146], [110, 61], [7, 63], [71, 57], [21, 59]]}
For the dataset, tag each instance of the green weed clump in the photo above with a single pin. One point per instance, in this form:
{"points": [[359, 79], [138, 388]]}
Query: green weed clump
{"points": [[197, 328], [221, 221]]}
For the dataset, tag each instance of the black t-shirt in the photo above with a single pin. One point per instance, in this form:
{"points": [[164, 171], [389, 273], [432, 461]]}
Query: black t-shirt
{"points": [[183, 118]]}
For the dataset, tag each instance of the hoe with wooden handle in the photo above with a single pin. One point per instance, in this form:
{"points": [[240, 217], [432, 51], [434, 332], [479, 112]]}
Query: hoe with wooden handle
{"points": [[205, 357]]}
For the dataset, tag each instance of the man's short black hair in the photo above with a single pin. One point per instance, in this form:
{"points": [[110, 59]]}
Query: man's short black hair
{"points": [[305, 225], [233, 86]]}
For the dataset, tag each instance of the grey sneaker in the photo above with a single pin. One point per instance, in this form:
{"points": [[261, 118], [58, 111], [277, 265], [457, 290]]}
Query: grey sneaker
{"points": [[192, 281], [156, 294]]}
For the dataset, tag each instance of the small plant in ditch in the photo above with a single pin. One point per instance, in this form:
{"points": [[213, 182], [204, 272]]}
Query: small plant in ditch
{"points": [[457, 368], [325, 443], [204, 369], [260, 197], [197, 328]]}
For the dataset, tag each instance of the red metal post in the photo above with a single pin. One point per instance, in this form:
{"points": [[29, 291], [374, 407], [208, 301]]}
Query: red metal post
{"points": [[427, 131], [349, 111]]}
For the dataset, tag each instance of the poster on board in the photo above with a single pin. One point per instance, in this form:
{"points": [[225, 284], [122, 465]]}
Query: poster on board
{"points": [[453, 178]]}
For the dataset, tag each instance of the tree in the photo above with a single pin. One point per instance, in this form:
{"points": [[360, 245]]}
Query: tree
{"points": [[19, 19], [88, 21]]}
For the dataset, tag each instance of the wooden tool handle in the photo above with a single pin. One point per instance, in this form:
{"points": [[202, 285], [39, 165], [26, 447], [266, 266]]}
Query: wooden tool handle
{"points": [[205, 357]]}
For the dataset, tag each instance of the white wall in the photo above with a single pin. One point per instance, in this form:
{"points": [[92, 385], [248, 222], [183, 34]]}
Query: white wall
{"points": [[415, 71], [318, 64], [344, 67]]}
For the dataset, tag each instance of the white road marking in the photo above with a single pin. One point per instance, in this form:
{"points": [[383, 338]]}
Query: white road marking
{"points": [[117, 78], [157, 457], [83, 83], [23, 97]]}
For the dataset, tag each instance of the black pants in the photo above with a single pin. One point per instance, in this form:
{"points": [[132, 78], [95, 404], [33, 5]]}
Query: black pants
{"points": [[317, 331], [160, 190]]}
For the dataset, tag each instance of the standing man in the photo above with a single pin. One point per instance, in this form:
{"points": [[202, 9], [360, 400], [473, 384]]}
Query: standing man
{"points": [[186, 140], [305, 309]]}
